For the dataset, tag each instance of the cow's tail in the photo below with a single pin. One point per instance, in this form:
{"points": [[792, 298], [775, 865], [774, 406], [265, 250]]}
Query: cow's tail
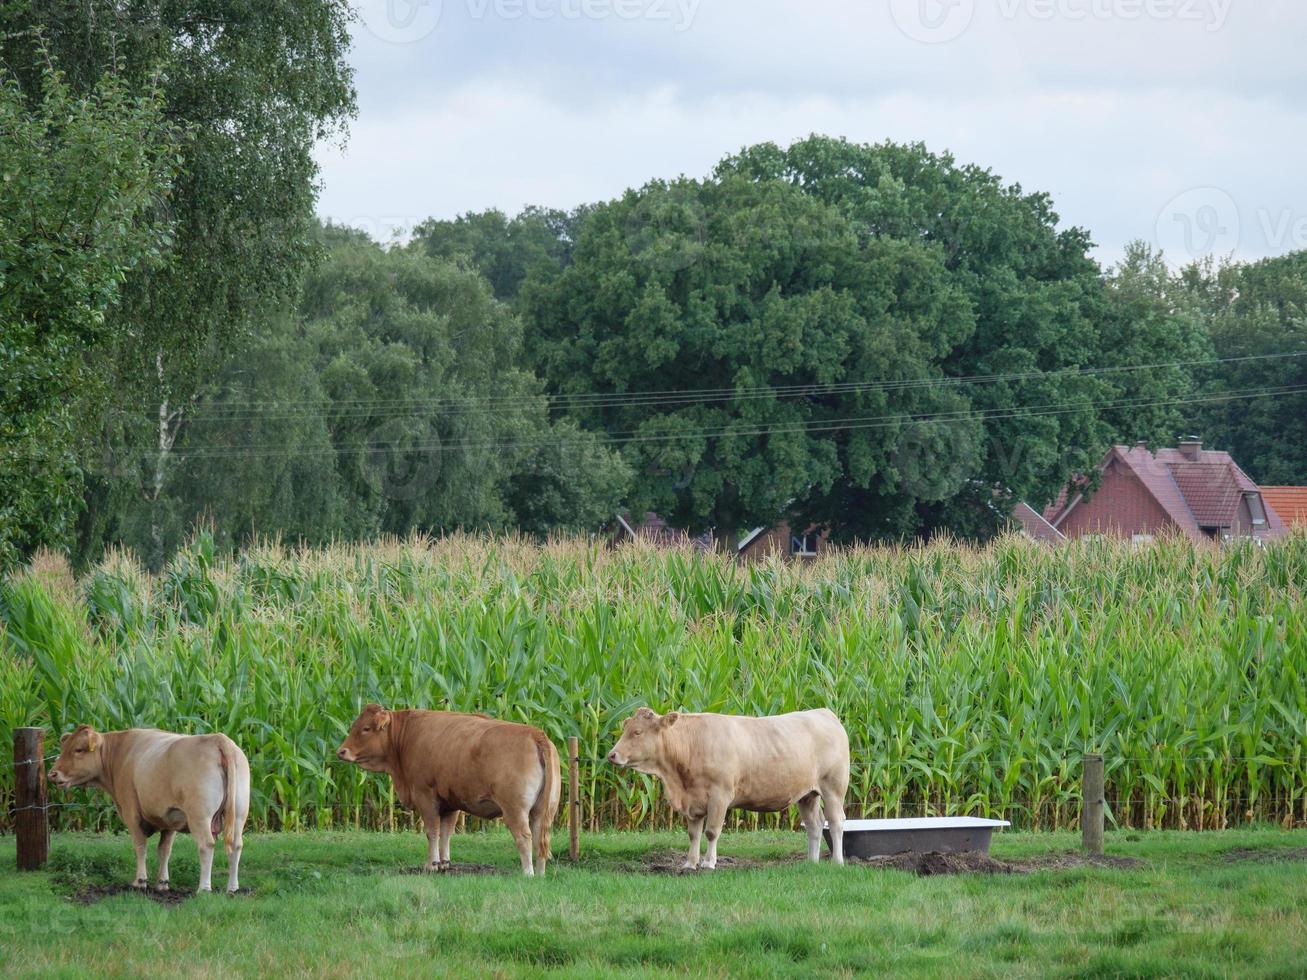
{"points": [[547, 803], [236, 802]]}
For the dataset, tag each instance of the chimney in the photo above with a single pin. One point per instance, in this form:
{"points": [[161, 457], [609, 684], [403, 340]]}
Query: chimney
{"points": [[1192, 448]]}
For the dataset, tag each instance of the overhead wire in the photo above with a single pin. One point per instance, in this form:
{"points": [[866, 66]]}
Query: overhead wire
{"points": [[636, 436], [236, 410]]}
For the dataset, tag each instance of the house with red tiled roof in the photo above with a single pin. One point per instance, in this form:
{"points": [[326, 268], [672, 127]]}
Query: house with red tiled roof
{"points": [[1289, 503], [1197, 492], [1035, 526]]}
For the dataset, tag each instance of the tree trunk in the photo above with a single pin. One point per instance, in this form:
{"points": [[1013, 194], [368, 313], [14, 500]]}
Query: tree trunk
{"points": [[169, 422]]}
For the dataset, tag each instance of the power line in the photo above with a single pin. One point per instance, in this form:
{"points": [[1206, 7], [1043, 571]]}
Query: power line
{"points": [[633, 437], [237, 410]]}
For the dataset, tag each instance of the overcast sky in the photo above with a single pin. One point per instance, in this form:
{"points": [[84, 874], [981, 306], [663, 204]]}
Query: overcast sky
{"points": [[1183, 122]]}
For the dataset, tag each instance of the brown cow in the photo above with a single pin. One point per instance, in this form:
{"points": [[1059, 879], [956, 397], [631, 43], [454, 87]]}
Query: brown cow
{"points": [[196, 784], [444, 764], [710, 763]]}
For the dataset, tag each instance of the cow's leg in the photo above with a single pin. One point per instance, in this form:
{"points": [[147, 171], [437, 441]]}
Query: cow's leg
{"points": [[448, 821], [234, 861], [139, 840], [430, 813], [832, 800], [519, 826], [204, 843], [713, 822], [810, 810], [537, 819], [166, 838], [695, 826]]}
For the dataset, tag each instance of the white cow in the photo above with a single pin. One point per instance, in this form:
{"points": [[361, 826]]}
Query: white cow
{"points": [[710, 763], [196, 784]]}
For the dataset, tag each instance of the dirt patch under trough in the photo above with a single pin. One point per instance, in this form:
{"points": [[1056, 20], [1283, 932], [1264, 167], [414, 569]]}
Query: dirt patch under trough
{"points": [[974, 863], [933, 863], [925, 864], [1265, 855]]}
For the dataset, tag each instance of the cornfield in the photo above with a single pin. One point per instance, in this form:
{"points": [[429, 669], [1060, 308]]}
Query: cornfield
{"points": [[971, 680]]}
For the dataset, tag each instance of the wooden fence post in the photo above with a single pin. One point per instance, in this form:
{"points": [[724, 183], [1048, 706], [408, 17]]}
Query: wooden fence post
{"points": [[574, 800], [31, 822], [1092, 805]]}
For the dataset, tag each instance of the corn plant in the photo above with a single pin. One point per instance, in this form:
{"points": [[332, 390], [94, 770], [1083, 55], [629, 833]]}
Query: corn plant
{"points": [[971, 680]]}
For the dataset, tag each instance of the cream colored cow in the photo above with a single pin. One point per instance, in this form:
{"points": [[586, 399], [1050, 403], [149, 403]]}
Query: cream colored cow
{"points": [[711, 763], [165, 783]]}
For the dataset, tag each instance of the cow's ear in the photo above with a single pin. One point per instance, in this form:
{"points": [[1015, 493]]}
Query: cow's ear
{"points": [[93, 741], [669, 719], [383, 720], [63, 739]]}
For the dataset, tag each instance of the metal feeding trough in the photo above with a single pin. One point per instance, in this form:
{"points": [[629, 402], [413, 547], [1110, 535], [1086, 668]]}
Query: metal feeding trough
{"points": [[922, 835]]}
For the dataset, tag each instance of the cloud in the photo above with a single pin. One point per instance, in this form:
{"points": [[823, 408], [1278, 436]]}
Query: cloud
{"points": [[1119, 108]]}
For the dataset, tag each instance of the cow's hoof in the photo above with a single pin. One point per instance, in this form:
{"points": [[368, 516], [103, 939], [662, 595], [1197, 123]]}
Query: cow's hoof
{"points": [[204, 891], [163, 887], [141, 885], [687, 866]]}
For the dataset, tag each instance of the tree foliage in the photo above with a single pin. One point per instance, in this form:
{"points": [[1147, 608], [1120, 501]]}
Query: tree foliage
{"points": [[250, 89], [392, 401], [1256, 313], [504, 250], [891, 279], [82, 181]]}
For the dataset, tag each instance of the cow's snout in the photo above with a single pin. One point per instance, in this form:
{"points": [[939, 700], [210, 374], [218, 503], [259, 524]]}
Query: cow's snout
{"points": [[342, 753], [612, 757]]}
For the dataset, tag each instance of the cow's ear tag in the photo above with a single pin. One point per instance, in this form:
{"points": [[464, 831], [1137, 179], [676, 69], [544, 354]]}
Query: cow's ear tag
{"points": [[669, 719]]}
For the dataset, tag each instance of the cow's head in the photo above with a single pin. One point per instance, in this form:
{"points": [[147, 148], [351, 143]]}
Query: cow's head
{"points": [[368, 742], [640, 746], [80, 759]]}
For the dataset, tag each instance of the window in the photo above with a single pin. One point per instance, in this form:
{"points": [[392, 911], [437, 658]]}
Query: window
{"points": [[1256, 509], [804, 545]]}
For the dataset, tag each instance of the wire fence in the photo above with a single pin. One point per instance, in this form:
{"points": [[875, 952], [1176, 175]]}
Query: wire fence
{"points": [[1047, 796]]}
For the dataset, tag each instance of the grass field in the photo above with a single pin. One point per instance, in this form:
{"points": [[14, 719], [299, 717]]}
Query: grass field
{"points": [[971, 680], [344, 904]]}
